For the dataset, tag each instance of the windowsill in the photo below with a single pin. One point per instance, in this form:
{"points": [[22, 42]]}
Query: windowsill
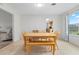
{"points": [[73, 35]]}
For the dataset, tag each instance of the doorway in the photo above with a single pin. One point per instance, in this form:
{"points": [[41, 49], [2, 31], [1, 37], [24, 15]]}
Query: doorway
{"points": [[5, 28]]}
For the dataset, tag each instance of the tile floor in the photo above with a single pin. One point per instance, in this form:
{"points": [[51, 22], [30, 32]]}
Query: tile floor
{"points": [[16, 48]]}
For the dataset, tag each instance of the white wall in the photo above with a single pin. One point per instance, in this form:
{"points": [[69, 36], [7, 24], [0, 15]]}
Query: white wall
{"points": [[16, 21], [64, 26], [58, 21], [16, 28], [28, 23]]}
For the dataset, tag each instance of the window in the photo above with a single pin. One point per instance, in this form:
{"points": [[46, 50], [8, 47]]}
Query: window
{"points": [[74, 23]]}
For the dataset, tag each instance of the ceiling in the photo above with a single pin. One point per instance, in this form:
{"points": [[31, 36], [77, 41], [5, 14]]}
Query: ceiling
{"points": [[46, 9]]}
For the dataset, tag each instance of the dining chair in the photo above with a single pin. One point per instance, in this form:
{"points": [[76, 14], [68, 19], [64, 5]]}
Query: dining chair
{"points": [[57, 37], [26, 47]]}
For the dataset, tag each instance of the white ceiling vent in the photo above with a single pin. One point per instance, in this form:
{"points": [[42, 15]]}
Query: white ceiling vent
{"points": [[53, 4]]}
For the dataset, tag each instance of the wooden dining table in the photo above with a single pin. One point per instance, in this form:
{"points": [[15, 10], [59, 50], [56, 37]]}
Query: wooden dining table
{"points": [[45, 35]]}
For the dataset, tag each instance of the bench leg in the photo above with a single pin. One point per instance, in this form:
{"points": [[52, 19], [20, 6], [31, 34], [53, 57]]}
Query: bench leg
{"points": [[56, 47], [53, 49]]}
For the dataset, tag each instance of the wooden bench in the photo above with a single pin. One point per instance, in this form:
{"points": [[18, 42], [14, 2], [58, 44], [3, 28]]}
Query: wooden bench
{"points": [[28, 44]]}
